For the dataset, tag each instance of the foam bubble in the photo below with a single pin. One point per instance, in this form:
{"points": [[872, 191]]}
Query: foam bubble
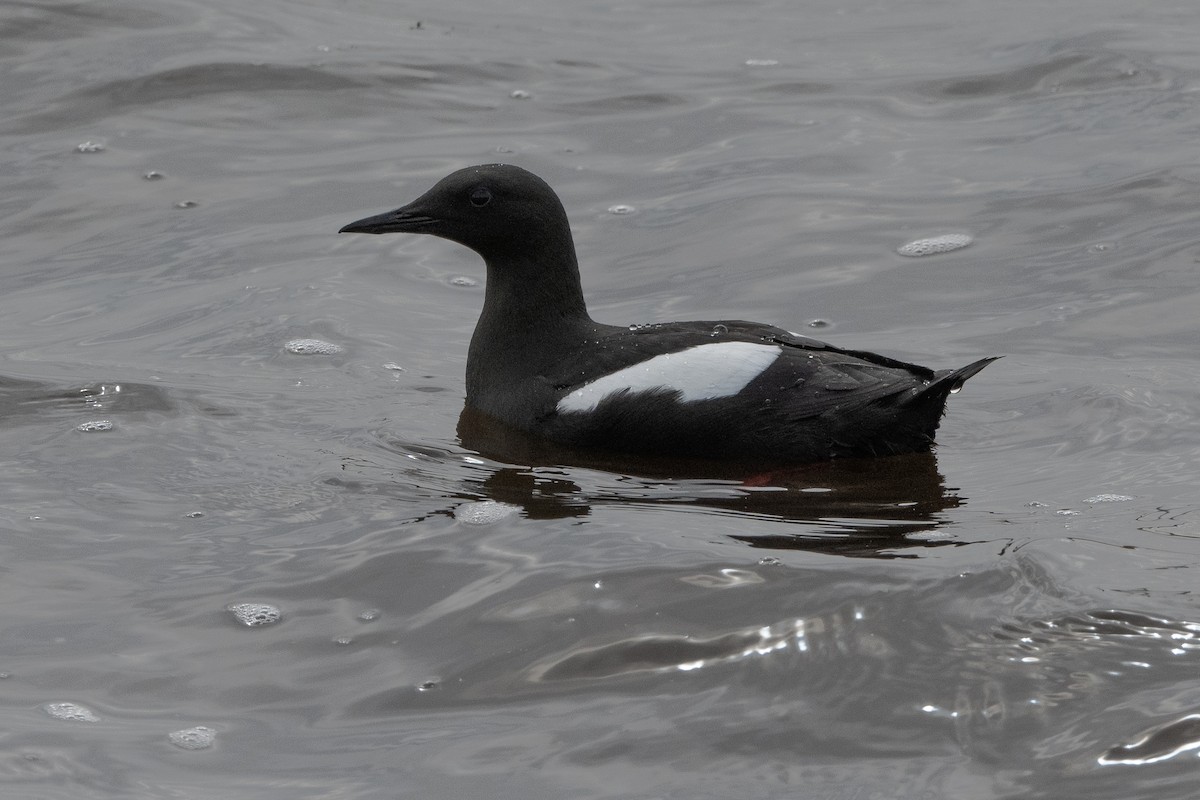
{"points": [[254, 615], [197, 738], [71, 712], [934, 245], [1108, 498], [95, 426], [312, 347], [484, 512]]}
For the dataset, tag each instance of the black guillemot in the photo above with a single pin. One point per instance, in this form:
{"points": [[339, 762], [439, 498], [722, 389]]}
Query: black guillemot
{"points": [[721, 389]]}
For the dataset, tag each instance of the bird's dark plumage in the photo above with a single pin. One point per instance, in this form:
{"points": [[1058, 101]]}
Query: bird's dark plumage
{"points": [[710, 389]]}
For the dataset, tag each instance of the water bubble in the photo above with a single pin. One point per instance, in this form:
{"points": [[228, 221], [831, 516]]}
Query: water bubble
{"points": [[369, 614], [1101, 247], [1067, 512], [519, 94], [186, 204], [71, 712], [393, 366], [312, 347], [819, 323], [484, 512], [153, 175], [197, 738], [253, 615], [427, 686], [95, 426], [463, 280], [621, 208], [769, 561], [761, 62], [719, 329], [343, 641], [89, 147], [194, 514], [935, 244]]}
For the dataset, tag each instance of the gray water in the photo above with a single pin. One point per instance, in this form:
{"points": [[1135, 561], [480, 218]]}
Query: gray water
{"points": [[1013, 617]]}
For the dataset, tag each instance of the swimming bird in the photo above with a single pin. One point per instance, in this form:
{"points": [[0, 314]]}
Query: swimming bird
{"points": [[721, 389]]}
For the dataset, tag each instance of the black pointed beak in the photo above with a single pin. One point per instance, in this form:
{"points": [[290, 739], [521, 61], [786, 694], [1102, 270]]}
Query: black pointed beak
{"points": [[402, 220]]}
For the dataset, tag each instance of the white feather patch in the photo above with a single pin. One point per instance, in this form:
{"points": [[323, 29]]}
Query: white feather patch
{"points": [[703, 372]]}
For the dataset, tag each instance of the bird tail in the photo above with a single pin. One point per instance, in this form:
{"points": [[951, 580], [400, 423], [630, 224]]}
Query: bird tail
{"points": [[952, 380]]}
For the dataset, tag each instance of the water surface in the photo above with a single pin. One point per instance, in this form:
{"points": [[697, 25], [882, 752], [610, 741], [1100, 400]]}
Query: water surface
{"points": [[1012, 617]]}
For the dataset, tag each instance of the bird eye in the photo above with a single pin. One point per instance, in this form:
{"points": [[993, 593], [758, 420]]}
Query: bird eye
{"points": [[480, 197]]}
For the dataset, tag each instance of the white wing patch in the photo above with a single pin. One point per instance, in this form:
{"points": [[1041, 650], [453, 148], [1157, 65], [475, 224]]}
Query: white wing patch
{"points": [[703, 372]]}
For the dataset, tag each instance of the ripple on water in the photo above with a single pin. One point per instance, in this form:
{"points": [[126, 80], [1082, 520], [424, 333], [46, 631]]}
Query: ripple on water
{"points": [[1158, 743], [678, 653]]}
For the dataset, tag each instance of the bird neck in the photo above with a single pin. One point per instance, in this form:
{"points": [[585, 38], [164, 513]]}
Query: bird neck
{"points": [[534, 295], [533, 311]]}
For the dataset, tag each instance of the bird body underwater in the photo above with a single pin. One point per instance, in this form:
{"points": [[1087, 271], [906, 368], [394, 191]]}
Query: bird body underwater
{"points": [[720, 389]]}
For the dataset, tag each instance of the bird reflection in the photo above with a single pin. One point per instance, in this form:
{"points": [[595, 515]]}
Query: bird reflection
{"points": [[856, 507]]}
